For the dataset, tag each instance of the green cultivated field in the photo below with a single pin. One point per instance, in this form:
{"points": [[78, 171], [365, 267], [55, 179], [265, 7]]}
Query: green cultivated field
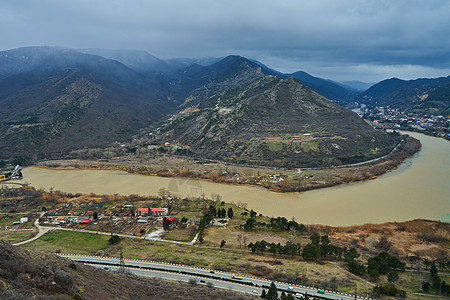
{"points": [[69, 242]]}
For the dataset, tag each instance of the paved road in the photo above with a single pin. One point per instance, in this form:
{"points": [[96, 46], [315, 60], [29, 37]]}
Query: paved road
{"points": [[219, 279]]}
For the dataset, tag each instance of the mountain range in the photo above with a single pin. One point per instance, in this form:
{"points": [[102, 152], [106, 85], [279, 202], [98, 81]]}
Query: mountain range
{"points": [[55, 100], [424, 96]]}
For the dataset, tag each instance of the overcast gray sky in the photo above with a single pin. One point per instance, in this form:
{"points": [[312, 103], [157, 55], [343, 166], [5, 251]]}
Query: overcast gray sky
{"points": [[336, 39]]}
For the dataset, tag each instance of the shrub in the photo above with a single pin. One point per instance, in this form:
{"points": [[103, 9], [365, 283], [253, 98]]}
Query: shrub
{"points": [[77, 296], [63, 278], [389, 289]]}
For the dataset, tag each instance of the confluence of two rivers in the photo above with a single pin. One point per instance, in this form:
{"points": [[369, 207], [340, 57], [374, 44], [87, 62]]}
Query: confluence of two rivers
{"points": [[419, 188]]}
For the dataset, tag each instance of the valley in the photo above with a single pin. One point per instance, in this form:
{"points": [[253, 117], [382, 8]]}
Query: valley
{"points": [[223, 164]]}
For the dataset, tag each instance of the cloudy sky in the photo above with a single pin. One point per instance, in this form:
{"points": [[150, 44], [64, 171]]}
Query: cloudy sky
{"points": [[336, 39]]}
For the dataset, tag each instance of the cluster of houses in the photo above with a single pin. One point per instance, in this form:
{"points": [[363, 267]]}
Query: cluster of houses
{"points": [[393, 118], [18, 221], [120, 214]]}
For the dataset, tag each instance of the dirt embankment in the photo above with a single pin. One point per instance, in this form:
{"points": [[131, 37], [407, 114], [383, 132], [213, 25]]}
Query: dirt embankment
{"points": [[30, 275], [272, 179], [424, 239]]}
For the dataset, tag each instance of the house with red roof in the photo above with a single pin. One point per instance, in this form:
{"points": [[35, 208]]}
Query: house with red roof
{"points": [[173, 221], [142, 211], [60, 220], [85, 222], [159, 211]]}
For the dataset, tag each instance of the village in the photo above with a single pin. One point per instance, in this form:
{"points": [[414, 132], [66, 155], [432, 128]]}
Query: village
{"points": [[120, 218], [393, 118], [155, 218]]}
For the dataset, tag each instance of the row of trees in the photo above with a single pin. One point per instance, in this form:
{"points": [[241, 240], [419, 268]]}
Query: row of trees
{"points": [[220, 212], [280, 223], [319, 247]]}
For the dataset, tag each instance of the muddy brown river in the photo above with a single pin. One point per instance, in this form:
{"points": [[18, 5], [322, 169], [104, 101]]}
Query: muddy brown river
{"points": [[419, 188]]}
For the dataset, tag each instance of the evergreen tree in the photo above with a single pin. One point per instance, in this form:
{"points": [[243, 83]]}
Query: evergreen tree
{"points": [[250, 224], [311, 252], [435, 280], [264, 294], [315, 238], [272, 294], [392, 277], [445, 289], [230, 213], [212, 210], [166, 223]]}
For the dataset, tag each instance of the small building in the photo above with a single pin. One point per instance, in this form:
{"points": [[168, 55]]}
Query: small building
{"points": [[71, 212], [60, 220], [24, 220], [173, 221], [85, 222], [193, 221], [159, 211], [142, 221], [142, 211]]}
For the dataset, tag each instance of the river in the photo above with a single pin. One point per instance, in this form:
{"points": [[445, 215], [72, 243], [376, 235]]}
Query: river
{"points": [[419, 188]]}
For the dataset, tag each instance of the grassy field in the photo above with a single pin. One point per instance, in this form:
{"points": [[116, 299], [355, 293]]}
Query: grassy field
{"points": [[180, 234], [69, 242]]}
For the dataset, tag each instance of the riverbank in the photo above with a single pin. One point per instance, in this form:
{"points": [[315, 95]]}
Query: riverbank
{"points": [[273, 179]]}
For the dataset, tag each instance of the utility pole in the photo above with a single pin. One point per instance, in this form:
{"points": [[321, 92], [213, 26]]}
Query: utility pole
{"points": [[122, 263]]}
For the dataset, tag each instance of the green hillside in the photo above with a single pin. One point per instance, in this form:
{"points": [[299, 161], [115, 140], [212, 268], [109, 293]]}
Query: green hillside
{"points": [[248, 117]]}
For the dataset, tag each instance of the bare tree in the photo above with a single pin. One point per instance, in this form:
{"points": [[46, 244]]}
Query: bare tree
{"points": [[293, 235], [216, 197], [239, 239]]}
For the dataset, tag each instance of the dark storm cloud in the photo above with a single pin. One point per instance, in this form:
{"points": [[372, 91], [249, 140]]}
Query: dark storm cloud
{"points": [[370, 38]]}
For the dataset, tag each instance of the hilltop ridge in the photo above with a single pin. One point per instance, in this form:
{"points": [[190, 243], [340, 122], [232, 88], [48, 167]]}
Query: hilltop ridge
{"points": [[250, 117]]}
